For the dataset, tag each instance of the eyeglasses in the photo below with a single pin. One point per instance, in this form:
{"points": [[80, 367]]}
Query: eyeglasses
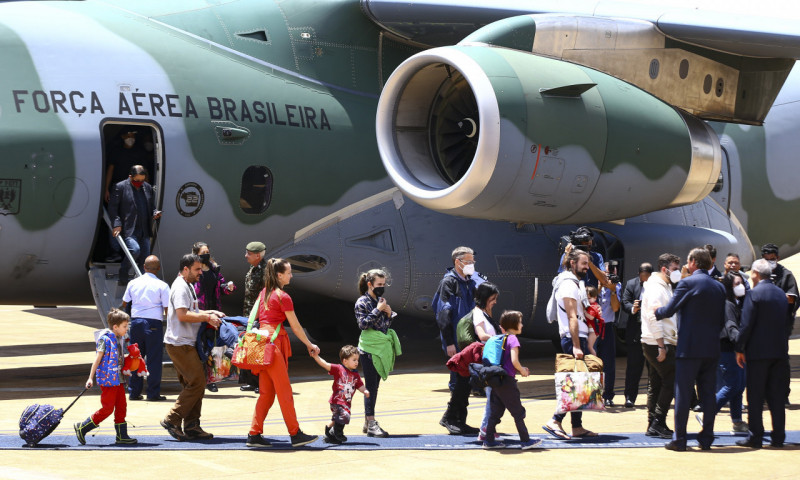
{"points": [[468, 262]]}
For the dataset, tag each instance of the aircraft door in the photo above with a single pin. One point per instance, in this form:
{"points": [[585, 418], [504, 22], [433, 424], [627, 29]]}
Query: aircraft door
{"points": [[722, 190]]}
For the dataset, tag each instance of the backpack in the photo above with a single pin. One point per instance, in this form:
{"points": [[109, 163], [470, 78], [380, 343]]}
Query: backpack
{"points": [[465, 331], [552, 303], [37, 422], [493, 350]]}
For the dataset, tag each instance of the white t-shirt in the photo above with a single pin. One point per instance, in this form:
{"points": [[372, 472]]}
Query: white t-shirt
{"points": [[479, 318], [148, 296], [178, 333], [569, 289]]}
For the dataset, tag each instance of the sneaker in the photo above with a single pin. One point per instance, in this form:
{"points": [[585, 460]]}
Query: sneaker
{"points": [[468, 430], [482, 435], [174, 431], [659, 431], [375, 430], [740, 427], [330, 436], [531, 444], [490, 445], [257, 441], [299, 439], [452, 428], [194, 432]]}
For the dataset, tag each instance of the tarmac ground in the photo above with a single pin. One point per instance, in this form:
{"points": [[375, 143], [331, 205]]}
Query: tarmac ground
{"points": [[46, 354]]}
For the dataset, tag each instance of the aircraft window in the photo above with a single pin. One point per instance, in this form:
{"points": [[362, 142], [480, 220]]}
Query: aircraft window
{"points": [[307, 263], [256, 193], [259, 35]]}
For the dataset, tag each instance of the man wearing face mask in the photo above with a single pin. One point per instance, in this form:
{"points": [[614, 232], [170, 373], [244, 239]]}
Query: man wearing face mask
{"points": [[131, 209], [701, 302], [455, 298], [783, 278], [659, 339]]}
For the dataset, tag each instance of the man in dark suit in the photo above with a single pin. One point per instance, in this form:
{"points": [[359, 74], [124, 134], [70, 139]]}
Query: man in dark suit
{"points": [[762, 348], [700, 302], [131, 207], [632, 304]]}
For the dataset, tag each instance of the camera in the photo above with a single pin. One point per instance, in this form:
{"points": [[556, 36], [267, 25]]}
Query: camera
{"points": [[614, 278]]}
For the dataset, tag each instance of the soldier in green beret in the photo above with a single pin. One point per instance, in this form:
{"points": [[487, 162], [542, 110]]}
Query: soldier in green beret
{"points": [[253, 284]]}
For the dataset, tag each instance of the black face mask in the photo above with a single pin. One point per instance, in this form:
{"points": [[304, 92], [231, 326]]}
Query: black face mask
{"points": [[206, 258], [378, 291]]}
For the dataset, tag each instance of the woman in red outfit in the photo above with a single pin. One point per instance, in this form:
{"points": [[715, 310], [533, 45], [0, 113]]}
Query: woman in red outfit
{"points": [[274, 306]]}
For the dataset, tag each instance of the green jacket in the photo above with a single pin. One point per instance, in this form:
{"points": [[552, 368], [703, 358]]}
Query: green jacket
{"points": [[383, 347]]}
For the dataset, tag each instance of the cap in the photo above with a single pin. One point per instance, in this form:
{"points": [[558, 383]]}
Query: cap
{"points": [[769, 248], [256, 247]]}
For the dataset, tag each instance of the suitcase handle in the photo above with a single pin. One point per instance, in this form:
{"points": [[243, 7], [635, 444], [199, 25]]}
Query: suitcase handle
{"points": [[76, 399]]}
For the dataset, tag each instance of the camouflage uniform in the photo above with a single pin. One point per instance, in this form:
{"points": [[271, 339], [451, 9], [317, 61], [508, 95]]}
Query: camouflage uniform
{"points": [[253, 284]]}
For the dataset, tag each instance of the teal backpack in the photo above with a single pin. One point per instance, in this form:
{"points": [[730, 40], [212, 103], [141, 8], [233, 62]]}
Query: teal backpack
{"points": [[493, 350]]}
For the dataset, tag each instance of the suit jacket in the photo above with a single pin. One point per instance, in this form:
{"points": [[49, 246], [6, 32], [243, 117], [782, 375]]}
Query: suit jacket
{"points": [[762, 333], [633, 291], [122, 207], [699, 301]]}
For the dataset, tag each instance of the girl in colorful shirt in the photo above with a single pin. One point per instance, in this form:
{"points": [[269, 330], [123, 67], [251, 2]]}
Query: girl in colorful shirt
{"points": [[107, 368]]}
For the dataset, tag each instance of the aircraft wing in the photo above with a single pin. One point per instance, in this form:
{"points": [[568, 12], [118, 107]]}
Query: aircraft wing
{"points": [[745, 31]]}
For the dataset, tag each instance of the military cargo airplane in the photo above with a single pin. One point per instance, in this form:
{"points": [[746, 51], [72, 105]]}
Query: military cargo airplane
{"points": [[349, 134]]}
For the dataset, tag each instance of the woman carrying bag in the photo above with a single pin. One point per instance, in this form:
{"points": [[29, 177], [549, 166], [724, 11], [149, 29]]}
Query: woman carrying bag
{"points": [[272, 308]]}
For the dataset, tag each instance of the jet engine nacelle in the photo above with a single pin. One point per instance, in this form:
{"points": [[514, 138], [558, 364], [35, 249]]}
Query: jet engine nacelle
{"points": [[495, 133]]}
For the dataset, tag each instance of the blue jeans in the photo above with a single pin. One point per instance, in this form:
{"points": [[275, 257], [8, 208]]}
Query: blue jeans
{"points": [[486, 410], [140, 249], [576, 418], [149, 334], [733, 380]]}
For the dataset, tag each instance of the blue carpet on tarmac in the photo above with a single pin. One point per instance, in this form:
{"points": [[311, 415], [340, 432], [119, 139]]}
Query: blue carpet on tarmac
{"points": [[362, 442]]}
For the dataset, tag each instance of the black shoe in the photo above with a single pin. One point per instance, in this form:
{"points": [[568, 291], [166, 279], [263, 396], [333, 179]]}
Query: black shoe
{"points": [[628, 403], [248, 388], [135, 397], [697, 408], [468, 430], [257, 441], [748, 443], [299, 439], [608, 402], [705, 447], [330, 436], [451, 427], [776, 444], [676, 447], [159, 398], [659, 431], [174, 431], [212, 387]]}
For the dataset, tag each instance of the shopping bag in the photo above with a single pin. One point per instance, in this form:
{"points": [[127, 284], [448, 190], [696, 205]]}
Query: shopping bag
{"points": [[254, 350], [219, 367], [579, 390]]}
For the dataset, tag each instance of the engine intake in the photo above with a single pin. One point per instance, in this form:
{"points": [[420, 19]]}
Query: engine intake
{"points": [[495, 133]]}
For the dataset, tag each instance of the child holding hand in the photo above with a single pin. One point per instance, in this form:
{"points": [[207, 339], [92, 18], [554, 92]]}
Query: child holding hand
{"points": [[346, 381]]}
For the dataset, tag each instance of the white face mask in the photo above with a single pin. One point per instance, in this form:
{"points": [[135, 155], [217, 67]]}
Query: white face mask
{"points": [[675, 276], [129, 142], [738, 290], [468, 269], [772, 264]]}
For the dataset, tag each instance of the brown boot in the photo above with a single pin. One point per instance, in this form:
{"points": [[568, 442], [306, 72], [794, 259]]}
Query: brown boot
{"points": [[194, 432]]}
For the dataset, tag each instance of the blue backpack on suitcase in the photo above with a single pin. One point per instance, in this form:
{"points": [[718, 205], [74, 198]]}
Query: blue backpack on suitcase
{"points": [[493, 350], [38, 421]]}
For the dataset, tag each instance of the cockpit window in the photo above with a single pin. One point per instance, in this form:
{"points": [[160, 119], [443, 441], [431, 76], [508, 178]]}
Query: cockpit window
{"points": [[307, 263], [256, 193]]}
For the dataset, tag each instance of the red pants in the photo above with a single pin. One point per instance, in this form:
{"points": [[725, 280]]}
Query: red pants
{"points": [[112, 399], [273, 380]]}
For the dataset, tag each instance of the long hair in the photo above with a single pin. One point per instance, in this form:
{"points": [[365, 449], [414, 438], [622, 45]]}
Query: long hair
{"points": [[274, 267], [369, 277]]}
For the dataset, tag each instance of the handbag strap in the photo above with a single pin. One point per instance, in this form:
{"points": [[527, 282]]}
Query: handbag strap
{"points": [[575, 367], [254, 315]]}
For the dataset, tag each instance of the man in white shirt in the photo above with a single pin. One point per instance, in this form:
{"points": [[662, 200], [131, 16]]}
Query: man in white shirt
{"points": [[659, 338], [149, 298], [183, 321], [571, 299]]}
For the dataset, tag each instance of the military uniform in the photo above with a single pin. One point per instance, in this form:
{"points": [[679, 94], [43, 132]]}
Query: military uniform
{"points": [[253, 284]]}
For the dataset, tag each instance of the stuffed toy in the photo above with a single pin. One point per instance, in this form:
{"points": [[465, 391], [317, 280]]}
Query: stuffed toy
{"points": [[134, 363]]}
